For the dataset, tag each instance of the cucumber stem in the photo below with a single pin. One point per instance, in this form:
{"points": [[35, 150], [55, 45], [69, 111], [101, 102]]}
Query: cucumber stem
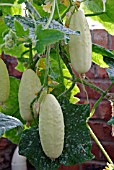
{"points": [[99, 100], [47, 67], [51, 16], [99, 144]]}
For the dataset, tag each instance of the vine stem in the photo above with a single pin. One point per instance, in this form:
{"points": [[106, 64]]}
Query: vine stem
{"points": [[51, 16], [47, 67], [99, 100], [8, 4], [58, 11], [91, 132], [99, 144], [30, 55], [59, 63]]}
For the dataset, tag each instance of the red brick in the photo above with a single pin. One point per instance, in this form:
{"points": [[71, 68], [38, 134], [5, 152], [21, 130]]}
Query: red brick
{"points": [[109, 147], [75, 167], [91, 93], [93, 165], [101, 72], [100, 37], [111, 41], [3, 143], [103, 84], [91, 102], [92, 72], [96, 151], [102, 130], [104, 110]]}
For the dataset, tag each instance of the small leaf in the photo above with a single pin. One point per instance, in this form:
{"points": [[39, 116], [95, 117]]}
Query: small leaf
{"points": [[98, 59], [103, 51], [111, 121], [8, 122], [77, 146], [20, 32], [14, 135], [46, 37], [110, 70]]}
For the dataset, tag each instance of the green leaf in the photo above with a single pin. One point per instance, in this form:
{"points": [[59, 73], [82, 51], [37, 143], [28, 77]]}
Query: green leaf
{"points": [[7, 123], [2, 28], [29, 23], [106, 19], [103, 51], [68, 83], [15, 50], [14, 135], [21, 1], [110, 70], [77, 144], [98, 59], [111, 121], [46, 37], [10, 9], [20, 32]]}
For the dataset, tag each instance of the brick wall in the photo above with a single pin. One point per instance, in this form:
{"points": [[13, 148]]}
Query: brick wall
{"points": [[99, 120]]}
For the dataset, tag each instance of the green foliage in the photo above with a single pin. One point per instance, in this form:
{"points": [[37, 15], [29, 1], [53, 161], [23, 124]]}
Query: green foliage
{"points": [[77, 144], [46, 37], [107, 18], [30, 36], [20, 32], [111, 121], [110, 70]]}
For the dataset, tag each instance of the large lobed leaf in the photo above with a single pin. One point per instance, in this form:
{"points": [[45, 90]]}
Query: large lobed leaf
{"points": [[77, 144], [8, 122], [29, 23]]}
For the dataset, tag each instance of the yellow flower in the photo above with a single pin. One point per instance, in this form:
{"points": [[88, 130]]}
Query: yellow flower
{"points": [[47, 7], [109, 167], [65, 2]]}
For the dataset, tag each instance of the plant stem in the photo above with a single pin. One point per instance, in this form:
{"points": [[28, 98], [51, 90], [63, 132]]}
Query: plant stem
{"points": [[47, 67], [68, 90], [59, 63], [63, 15], [99, 100], [99, 144], [95, 14], [58, 12], [30, 56], [8, 4], [51, 16], [32, 10], [90, 85]]}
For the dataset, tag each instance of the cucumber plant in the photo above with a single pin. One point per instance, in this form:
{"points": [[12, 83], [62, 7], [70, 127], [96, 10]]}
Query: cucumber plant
{"points": [[51, 39]]}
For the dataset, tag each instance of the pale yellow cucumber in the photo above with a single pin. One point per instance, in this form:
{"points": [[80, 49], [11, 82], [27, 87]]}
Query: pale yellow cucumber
{"points": [[80, 47], [4, 82], [51, 127], [29, 87]]}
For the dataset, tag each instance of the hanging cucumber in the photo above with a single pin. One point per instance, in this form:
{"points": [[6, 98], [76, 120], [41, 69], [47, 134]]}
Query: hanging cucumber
{"points": [[4, 82], [51, 127], [80, 47], [29, 87]]}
